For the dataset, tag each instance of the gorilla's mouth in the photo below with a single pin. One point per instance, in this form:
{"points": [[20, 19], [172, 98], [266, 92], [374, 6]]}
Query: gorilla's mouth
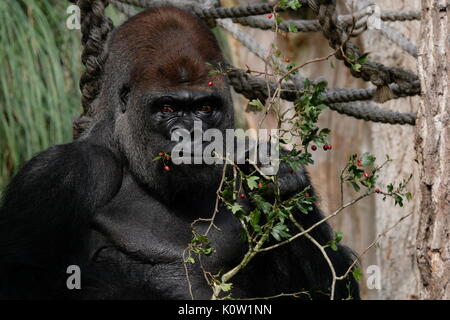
{"points": [[190, 158], [195, 153]]}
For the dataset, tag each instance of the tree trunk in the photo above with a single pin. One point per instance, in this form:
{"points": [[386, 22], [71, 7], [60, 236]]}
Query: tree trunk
{"points": [[433, 153]]}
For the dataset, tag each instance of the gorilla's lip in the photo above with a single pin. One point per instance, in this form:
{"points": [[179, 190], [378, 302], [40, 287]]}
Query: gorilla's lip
{"points": [[188, 156]]}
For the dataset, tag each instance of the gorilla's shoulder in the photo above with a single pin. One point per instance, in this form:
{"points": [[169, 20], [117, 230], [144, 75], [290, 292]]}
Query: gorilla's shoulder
{"points": [[85, 170]]}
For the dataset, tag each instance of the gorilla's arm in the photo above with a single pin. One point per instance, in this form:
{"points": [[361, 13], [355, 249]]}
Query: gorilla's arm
{"points": [[45, 212]]}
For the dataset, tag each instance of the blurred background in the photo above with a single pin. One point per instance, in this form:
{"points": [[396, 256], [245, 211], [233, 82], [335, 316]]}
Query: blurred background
{"points": [[39, 97]]}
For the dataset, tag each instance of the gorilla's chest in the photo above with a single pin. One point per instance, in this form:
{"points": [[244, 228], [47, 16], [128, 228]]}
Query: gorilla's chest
{"points": [[140, 240]]}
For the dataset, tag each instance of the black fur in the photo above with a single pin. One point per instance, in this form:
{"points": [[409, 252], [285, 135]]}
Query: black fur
{"points": [[103, 204]]}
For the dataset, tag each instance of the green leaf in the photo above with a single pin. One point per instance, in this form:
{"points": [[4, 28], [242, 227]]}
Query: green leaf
{"points": [[408, 196], [390, 187], [363, 58], [252, 182], [357, 274], [189, 260], [225, 286], [338, 236], [355, 186], [292, 28], [290, 4], [235, 208], [367, 159], [280, 231], [257, 104], [255, 216], [357, 67], [334, 247], [398, 200]]}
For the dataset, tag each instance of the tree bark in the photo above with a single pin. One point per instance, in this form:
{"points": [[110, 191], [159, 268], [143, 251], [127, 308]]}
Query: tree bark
{"points": [[433, 152]]}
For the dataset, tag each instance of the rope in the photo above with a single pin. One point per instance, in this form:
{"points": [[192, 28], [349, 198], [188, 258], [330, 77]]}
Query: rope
{"points": [[210, 12], [399, 82], [370, 112], [377, 73], [255, 48], [127, 10], [398, 38], [95, 28], [256, 88], [314, 25]]}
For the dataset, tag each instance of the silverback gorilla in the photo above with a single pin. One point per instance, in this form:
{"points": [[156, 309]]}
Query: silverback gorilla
{"points": [[102, 204]]}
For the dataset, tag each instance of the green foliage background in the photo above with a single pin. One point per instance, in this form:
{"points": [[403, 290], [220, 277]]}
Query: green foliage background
{"points": [[40, 68], [39, 72]]}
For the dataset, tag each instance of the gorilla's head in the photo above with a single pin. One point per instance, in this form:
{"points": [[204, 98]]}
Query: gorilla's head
{"points": [[157, 79]]}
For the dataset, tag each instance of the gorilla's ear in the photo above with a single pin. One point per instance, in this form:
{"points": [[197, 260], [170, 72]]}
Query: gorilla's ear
{"points": [[124, 95]]}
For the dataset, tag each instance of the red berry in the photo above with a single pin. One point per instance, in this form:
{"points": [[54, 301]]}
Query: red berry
{"points": [[313, 148], [377, 190], [241, 195], [366, 174], [325, 147], [270, 16], [167, 157], [161, 154], [330, 146], [359, 162], [210, 84], [260, 185], [287, 60], [167, 168]]}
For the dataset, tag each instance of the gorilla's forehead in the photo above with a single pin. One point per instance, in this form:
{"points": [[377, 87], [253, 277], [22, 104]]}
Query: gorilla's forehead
{"points": [[165, 47], [174, 75]]}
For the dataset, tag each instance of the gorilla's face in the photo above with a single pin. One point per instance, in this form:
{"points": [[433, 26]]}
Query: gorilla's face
{"points": [[158, 81], [151, 119]]}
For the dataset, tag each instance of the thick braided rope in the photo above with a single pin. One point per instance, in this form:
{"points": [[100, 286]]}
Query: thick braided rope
{"points": [[331, 96], [95, 28], [398, 38], [253, 87], [314, 25], [258, 85], [377, 73], [127, 10], [402, 15], [210, 12], [370, 112], [255, 48], [264, 23]]}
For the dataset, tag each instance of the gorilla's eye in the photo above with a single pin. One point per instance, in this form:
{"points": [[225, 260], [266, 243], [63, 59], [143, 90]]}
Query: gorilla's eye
{"points": [[167, 108], [206, 108]]}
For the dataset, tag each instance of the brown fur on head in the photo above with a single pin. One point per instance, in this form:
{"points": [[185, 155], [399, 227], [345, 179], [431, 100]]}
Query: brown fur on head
{"points": [[172, 48]]}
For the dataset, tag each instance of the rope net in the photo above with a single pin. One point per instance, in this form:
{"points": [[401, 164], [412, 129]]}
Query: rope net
{"points": [[388, 82]]}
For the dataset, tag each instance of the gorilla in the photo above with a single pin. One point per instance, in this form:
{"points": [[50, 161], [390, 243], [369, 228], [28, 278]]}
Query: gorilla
{"points": [[102, 204]]}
